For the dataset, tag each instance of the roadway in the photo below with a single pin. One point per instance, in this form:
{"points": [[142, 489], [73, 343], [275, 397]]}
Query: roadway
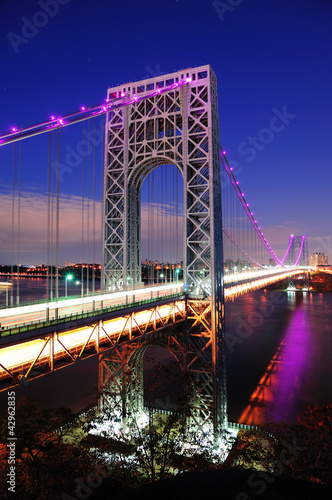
{"points": [[235, 285], [45, 311]]}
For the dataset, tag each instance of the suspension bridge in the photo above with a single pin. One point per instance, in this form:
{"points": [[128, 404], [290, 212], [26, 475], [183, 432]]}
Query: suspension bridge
{"points": [[166, 189]]}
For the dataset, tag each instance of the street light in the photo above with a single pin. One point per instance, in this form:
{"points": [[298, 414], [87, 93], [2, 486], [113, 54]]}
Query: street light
{"points": [[163, 276], [67, 278]]}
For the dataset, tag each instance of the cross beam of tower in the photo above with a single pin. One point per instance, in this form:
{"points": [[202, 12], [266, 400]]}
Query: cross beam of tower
{"points": [[179, 127]]}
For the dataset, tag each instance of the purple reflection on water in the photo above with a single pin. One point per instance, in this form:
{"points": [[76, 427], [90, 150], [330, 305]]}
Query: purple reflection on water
{"points": [[290, 367]]}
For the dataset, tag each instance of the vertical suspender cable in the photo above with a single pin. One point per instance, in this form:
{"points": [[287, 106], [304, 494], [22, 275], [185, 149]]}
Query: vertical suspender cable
{"points": [[88, 210], [148, 257], [13, 227], [48, 217], [52, 217], [19, 223], [82, 220], [94, 212], [57, 230], [153, 225]]}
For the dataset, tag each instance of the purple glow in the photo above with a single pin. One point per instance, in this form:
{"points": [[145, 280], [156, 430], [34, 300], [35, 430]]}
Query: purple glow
{"points": [[235, 184], [255, 221], [60, 121], [300, 251], [135, 98], [83, 108], [288, 249], [251, 213], [231, 169], [14, 129], [52, 117], [188, 79], [294, 352], [224, 152], [247, 204], [242, 194], [107, 100], [104, 108], [123, 94]]}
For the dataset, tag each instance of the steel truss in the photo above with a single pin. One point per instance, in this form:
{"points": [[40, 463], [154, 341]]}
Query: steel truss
{"points": [[53, 351], [121, 372], [181, 128]]}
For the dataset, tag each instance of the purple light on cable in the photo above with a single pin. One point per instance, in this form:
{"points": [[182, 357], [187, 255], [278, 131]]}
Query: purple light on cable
{"points": [[224, 152], [52, 117], [255, 221], [60, 121], [231, 169], [104, 108], [251, 213], [135, 98], [242, 194], [82, 108], [237, 182], [14, 129], [288, 249], [247, 204], [300, 251]]}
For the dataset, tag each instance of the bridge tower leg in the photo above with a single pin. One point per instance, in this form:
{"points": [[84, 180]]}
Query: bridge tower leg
{"points": [[179, 127], [299, 253]]}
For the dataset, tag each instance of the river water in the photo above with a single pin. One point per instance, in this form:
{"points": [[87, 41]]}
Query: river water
{"points": [[278, 358]]}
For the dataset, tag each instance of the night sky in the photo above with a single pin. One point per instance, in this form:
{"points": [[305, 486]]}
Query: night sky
{"points": [[272, 58]]}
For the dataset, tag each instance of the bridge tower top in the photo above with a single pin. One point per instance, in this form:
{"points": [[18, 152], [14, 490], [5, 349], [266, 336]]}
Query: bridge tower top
{"points": [[298, 253]]}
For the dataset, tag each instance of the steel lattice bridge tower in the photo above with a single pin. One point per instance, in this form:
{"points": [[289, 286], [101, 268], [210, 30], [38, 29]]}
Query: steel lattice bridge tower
{"points": [[181, 128], [298, 254]]}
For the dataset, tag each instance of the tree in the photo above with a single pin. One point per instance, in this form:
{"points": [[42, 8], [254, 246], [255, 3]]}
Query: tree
{"points": [[301, 450], [154, 443], [48, 458]]}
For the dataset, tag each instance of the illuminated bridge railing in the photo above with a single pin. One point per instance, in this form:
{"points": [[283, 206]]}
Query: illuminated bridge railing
{"points": [[35, 325]]}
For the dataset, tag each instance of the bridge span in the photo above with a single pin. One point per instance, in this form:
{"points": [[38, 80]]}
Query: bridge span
{"points": [[43, 337]]}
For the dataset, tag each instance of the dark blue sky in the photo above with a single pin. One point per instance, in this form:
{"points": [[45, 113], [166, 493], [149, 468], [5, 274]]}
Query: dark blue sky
{"points": [[270, 57]]}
